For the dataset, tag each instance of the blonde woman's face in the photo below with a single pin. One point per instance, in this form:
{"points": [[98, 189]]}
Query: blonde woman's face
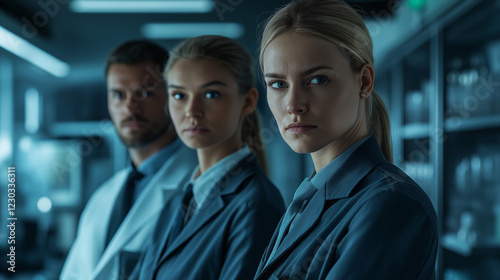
{"points": [[204, 103], [312, 92]]}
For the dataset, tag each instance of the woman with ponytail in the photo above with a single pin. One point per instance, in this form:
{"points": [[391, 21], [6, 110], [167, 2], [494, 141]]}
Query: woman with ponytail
{"points": [[357, 216], [220, 224]]}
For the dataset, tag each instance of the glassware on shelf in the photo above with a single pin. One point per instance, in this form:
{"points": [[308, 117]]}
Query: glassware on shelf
{"points": [[496, 212], [417, 104], [414, 100], [479, 172], [426, 88], [472, 91], [477, 185], [467, 232], [480, 95], [493, 52], [495, 78], [463, 175], [454, 93]]}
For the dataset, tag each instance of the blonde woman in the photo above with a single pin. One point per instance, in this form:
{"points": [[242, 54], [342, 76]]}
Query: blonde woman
{"points": [[357, 216], [219, 226]]}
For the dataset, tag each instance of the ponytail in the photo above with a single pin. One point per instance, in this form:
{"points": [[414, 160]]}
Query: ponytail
{"points": [[250, 134], [379, 124]]}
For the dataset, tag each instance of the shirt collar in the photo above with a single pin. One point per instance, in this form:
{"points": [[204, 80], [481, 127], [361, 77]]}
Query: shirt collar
{"points": [[152, 164], [206, 183], [320, 178], [342, 181]]}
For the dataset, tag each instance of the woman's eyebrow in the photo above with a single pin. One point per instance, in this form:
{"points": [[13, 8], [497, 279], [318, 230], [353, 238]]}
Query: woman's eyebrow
{"points": [[274, 75], [213, 83], [202, 86], [314, 69], [304, 73]]}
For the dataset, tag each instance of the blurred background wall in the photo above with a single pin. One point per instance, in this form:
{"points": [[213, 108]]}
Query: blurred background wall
{"points": [[437, 68]]}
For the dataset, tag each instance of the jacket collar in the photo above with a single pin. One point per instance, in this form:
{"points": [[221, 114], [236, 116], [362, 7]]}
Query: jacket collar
{"points": [[342, 182]]}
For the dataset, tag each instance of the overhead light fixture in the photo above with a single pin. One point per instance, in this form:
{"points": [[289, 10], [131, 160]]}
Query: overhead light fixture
{"points": [[158, 6], [189, 30], [33, 54]]}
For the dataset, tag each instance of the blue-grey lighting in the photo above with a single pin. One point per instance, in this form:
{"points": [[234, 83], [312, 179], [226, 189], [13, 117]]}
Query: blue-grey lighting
{"points": [[32, 110], [44, 204], [25, 144], [189, 30], [158, 6], [5, 147], [33, 54]]}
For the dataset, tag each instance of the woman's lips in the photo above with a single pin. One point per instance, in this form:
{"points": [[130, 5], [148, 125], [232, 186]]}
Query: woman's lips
{"points": [[195, 130], [300, 127]]}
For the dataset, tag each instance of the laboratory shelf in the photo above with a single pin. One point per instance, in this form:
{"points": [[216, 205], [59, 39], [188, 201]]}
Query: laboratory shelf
{"points": [[466, 249], [416, 130], [428, 78], [471, 124]]}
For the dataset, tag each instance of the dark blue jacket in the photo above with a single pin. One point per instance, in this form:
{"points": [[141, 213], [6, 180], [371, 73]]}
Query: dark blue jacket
{"points": [[226, 238], [369, 221]]}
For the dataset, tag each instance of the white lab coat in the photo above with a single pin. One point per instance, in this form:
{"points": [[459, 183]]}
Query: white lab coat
{"points": [[86, 259]]}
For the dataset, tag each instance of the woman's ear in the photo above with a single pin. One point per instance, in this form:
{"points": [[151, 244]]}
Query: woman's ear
{"points": [[367, 78], [250, 102]]}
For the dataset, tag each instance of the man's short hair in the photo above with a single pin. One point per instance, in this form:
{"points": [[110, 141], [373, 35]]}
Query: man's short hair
{"points": [[138, 51]]}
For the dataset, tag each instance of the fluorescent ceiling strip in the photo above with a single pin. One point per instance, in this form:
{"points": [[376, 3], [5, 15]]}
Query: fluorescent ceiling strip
{"points": [[188, 30], [166, 6], [33, 54]]}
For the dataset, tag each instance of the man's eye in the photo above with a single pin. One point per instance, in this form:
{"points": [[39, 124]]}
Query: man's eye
{"points": [[144, 93], [117, 95], [212, 94]]}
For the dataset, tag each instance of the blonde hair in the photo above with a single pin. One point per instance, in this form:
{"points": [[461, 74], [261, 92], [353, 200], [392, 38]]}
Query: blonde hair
{"points": [[236, 59], [336, 22]]}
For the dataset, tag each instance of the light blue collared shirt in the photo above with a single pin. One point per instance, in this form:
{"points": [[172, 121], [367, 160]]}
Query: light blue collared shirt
{"points": [[152, 164], [206, 183]]}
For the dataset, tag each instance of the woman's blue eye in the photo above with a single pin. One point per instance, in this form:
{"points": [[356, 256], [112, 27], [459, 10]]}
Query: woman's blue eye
{"points": [[318, 80], [277, 84], [212, 94], [178, 96]]}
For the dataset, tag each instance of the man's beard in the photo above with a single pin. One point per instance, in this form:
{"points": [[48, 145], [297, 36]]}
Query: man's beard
{"points": [[147, 138]]}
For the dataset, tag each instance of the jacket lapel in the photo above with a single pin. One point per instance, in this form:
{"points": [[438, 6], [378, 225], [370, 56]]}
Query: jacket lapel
{"points": [[239, 173], [194, 225], [145, 210], [270, 247], [302, 225]]}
